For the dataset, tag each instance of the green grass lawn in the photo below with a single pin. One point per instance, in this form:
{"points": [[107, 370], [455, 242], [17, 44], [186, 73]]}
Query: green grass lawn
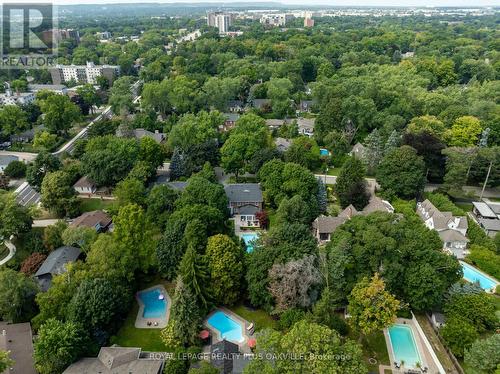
{"points": [[373, 347], [147, 339], [129, 336], [259, 317], [333, 171], [88, 205], [466, 207]]}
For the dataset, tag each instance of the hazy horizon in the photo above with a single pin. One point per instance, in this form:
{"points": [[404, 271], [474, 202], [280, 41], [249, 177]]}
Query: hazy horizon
{"points": [[372, 3]]}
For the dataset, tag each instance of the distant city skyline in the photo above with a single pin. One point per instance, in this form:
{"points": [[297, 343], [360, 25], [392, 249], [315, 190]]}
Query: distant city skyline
{"points": [[381, 3]]}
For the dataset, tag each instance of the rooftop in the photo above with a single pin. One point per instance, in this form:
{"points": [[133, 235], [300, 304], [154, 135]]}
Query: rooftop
{"points": [[55, 264], [94, 219], [84, 182], [17, 338], [244, 192], [484, 210], [116, 360]]}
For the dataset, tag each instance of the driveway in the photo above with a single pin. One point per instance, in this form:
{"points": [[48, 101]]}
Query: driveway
{"points": [[12, 252]]}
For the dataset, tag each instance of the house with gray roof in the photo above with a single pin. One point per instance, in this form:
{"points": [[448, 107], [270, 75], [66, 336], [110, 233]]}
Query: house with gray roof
{"points": [[306, 126], [325, 226], [282, 144], [55, 264], [157, 136], [358, 151], [85, 185], [261, 104], [451, 229], [17, 339], [117, 360], [245, 201]]}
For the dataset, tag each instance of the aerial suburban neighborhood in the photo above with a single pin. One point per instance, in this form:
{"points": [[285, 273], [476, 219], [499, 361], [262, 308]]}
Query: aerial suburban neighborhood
{"points": [[250, 188]]}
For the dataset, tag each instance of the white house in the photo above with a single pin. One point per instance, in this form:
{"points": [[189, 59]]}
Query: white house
{"points": [[85, 186], [451, 229]]}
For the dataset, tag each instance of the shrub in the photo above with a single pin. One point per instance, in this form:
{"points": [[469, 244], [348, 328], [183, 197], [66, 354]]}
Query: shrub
{"points": [[443, 203], [485, 260], [32, 263], [15, 169], [290, 317]]}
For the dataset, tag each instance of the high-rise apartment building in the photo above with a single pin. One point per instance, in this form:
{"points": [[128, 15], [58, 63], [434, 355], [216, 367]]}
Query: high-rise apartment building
{"points": [[220, 20]]}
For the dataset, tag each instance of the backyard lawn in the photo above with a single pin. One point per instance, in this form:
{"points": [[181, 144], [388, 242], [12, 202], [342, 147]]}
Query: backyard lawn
{"points": [[259, 317], [89, 205], [146, 339], [373, 347]]}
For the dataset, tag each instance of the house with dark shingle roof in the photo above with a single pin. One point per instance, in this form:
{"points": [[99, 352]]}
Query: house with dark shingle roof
{"points": [[451, 229], [55, 264], [17, 339], [117, 360], [245, 201]]}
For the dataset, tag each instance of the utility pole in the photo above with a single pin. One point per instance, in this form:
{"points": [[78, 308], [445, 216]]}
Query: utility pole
{"points": [[486, 180]]}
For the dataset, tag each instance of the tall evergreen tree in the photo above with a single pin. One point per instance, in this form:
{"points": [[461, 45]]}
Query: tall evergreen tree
{"points": [[192, 270], [351, 186], [177, 165], [392, 142], [322, 197], [374, 150]]}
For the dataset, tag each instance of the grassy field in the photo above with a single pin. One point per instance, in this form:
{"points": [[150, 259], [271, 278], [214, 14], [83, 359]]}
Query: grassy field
{"points": [[88, 205], [259, 317]]}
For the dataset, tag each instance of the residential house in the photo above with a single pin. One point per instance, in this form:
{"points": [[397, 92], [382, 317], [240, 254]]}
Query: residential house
{"points": [[226, 357], [325, 226], [117, 360], [261, 104], [26, 136], [358, 151], [229, 121], [306, 126], [26, 195], [235, 106], [17, 339], [16, 98], [157, 136], [487, 216], [55, 264], [245, 201], [282, 144], [451, 229], [97, 220], [275, 124], [85, 185]]}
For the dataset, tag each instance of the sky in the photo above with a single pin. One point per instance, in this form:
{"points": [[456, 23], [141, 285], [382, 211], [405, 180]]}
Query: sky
{"points": [[421, 3]]}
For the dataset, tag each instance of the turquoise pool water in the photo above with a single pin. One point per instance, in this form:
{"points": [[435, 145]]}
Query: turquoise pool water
{"points": [[154, 307], [404, 346], [324, 152], [472, 275], [227, 327], [249, 240]]}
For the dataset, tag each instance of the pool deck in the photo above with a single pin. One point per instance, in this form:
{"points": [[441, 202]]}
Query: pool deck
{"points": [[156, 323], [423, 349], [244, 324]]}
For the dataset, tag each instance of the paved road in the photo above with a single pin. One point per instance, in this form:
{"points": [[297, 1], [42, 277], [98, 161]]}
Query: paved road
{"points": [[12, 251], [44, 222], [68, 147]]}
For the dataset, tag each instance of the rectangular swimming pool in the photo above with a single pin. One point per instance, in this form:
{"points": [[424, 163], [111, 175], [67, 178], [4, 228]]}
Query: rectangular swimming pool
{"points": [[155, 303], [228, 328], [404, 345], [471, 274], [249, 240]]}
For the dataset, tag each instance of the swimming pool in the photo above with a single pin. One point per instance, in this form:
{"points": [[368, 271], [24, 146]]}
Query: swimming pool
{"points": [[471, 274], [154, 306], [324, 152], [249, 240], [228, 328], [404, 345]]}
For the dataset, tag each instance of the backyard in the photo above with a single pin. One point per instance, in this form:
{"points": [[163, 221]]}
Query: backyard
{"points": [[260, 318], [89, 205]]}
